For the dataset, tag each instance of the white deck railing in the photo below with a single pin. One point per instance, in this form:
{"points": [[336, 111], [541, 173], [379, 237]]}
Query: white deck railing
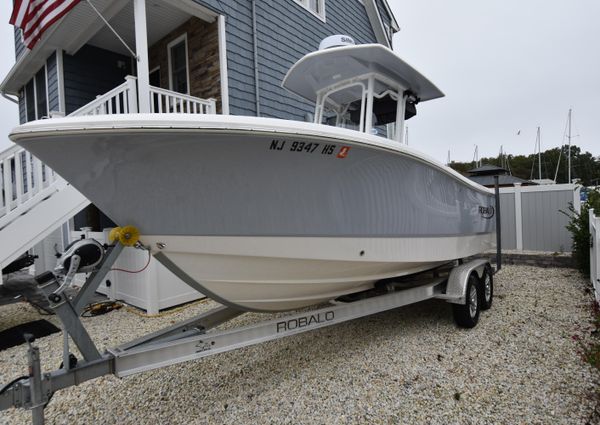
{"points": [[166, 101], [25, 181], [595, 253], [123, 100], [120, 100]]}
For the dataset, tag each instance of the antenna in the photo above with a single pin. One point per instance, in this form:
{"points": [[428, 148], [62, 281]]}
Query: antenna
{"points": [[448, 160], [476, 156]]}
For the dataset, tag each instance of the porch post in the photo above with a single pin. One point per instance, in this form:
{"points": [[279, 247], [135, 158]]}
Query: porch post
{"points": [[141, 48], [223, 67], [518, 217]]}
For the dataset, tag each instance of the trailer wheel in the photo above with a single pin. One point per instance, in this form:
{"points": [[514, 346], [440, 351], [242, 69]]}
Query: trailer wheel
{"points": [[487, 288], [467, 315]]}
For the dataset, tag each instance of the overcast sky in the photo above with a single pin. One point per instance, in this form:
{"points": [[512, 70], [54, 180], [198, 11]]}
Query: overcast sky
{"points": [[9, 113], [505, 66]]}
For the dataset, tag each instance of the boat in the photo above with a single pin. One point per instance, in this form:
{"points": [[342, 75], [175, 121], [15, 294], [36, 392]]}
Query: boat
{"points": [[272, 215]]}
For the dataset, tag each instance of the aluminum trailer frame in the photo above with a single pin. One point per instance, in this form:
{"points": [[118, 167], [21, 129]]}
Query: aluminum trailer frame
{"points": [[190, 339]]}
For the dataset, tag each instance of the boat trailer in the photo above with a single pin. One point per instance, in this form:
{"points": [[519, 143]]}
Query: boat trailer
{"points": [[468, 286]]}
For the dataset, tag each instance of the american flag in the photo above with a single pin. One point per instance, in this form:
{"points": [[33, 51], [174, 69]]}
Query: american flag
{"points": [[35, 16]]}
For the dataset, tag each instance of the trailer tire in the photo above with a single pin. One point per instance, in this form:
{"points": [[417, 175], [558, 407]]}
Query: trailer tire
{"points": [[467, 315], [487, 288]]}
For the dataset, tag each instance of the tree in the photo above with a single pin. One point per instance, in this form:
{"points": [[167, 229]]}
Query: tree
{"points": [[584, 166]]}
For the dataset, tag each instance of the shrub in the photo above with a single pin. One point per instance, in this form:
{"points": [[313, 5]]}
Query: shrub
{"points": [[590, 349], [579, 226]]}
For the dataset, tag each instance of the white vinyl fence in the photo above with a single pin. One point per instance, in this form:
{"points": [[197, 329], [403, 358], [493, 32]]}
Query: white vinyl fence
{"points": [[595, 253], [531, 217]]}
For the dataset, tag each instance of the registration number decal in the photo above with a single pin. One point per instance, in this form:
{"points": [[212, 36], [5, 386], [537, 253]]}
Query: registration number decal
{"points": [[309, 147]]}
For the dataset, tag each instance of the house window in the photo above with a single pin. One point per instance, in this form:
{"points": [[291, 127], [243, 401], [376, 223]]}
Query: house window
{"points": [[36, 97], [40, 94], [30, 100], [178, 65], [316, 7]]}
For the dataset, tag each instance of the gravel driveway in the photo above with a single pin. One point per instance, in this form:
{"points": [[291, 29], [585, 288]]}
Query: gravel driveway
{"points": [[407, 366]]}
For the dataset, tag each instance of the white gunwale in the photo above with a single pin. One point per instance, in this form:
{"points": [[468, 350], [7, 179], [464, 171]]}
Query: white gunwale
{"points": [[229, 123]]}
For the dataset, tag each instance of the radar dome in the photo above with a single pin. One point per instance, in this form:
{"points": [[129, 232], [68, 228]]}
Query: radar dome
{"points": [[336, 41]]}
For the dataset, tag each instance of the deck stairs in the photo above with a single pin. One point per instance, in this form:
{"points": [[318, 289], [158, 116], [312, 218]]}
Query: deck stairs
{"points": [[34, 202]]}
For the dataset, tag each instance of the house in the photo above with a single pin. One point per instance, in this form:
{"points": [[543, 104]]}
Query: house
{"points": [[484, 175], [155, 56], [233, 51]]}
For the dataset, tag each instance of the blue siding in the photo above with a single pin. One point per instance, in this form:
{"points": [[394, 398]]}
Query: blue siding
{"points": [[19, 46], [52, 84], [286, 31], [91, 72], [240, 54]]}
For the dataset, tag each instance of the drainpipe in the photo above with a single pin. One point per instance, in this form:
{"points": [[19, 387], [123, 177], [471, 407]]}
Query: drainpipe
{"points": [[12, 99], [255, 48]]}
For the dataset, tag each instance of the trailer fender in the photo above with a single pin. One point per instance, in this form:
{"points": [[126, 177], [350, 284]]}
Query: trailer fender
{"points": [[456, 288]]}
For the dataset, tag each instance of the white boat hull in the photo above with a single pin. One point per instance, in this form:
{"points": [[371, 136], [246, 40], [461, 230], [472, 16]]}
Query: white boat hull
{"points": [[285, 273], [269, 214]]}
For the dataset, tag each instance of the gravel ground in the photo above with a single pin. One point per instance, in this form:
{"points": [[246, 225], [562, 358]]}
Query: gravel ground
{"points": [[411, 365]]}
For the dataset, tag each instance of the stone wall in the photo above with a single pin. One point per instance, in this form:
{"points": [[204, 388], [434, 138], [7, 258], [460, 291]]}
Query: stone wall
{"points": [[203, 58], [541, 259]]}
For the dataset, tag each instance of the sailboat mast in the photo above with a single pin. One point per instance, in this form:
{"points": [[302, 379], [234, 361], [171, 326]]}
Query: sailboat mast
{"points": [[476, 156], [539, 143], [569, 136]]}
